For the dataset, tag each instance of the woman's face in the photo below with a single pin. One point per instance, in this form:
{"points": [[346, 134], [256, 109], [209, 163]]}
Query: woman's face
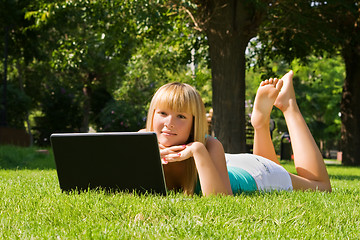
{"points": [[172, 128]]}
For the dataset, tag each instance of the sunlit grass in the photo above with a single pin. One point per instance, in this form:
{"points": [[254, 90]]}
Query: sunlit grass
{"points": [[33, 207]]}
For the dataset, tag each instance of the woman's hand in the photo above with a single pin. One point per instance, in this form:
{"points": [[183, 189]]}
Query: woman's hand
{"points": [[175, 153], [210, 163]]}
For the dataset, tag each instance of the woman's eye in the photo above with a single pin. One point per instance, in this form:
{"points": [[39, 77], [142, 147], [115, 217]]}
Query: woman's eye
{"points": [[181, 116]]}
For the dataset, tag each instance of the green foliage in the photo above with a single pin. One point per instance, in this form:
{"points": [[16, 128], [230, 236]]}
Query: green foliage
{"points": [[99, 98], [318, 87], [102, 51], [297, 29], [22, 41], [61, 113], [18, 48], [94, 36], [88, 44], [166, 59], [125, 48], [122, 116], [320, 96], [18, 105], [202, 82]]}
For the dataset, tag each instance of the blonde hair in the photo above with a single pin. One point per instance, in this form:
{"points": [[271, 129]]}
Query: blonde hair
{"points": [[182, 97]]}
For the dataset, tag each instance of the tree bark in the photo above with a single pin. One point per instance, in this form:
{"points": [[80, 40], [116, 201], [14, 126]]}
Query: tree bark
{"points": [[228, 85], [21, 86], [350, 108], [86, 109], [229, 26], [3, 120], [87, 91]]}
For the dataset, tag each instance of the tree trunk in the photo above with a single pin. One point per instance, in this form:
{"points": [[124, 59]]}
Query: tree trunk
{"points": [[228, 85], [3, 109], [21, 86], [86, 109], [87, 91], [229, 26], [350, 108]]}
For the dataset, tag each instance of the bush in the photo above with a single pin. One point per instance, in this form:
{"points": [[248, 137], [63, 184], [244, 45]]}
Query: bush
{"points": [[99, 98], [18, 105], [61, 113], [122, 116]]}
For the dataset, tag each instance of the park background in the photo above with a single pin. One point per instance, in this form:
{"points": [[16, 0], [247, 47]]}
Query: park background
{"points": [[72, 66], [75, 66]]}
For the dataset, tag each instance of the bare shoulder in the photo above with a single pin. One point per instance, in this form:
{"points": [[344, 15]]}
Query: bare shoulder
{"points": [[216, 151], [142, 130], [214, 145]]}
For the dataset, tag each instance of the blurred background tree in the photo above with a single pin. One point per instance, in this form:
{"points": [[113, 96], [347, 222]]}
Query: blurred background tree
{"points": [[95, 64], [299, 29]]}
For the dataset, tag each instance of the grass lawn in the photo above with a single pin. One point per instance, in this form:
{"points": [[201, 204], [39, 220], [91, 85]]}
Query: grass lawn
{"points": [[33, 207]]}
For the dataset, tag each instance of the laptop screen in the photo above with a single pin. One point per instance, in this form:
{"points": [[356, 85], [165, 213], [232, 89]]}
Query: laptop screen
{"points": [[124, 161]]}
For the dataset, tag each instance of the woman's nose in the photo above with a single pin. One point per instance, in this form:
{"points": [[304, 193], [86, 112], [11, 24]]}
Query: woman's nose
{"points": [[169, 122]]}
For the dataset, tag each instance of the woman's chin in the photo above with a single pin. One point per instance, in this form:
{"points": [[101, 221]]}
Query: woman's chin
{"points": [[166, 143]]}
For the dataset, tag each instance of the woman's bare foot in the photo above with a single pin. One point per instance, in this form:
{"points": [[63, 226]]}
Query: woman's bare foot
{"points": [[286, 96], [266, 95]]}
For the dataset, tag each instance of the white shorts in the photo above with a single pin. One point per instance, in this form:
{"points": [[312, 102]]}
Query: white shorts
{"points": [[267, 174]]}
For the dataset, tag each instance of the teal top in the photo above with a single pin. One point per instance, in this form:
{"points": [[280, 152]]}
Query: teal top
{"points": [[240, 181]]}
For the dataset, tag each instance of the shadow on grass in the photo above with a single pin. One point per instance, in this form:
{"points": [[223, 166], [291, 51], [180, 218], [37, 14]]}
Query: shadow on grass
{"points": [[344, 177], [17, 158], [340, 172]]}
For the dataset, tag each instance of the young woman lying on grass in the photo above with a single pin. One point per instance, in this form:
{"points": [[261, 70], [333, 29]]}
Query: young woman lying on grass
{"points": [[195, 162]]}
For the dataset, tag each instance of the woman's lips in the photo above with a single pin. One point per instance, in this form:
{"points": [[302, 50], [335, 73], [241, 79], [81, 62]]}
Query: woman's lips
{"points": [[168, 133]]}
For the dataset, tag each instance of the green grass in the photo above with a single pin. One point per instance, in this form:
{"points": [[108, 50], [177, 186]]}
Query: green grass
{"points": [[33, 207]]}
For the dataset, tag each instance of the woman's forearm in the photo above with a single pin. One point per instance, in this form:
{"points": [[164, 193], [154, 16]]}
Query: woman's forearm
{"points": [[209, 176]]}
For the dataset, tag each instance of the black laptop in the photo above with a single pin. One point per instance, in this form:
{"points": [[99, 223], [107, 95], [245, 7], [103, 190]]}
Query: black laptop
{"points": [[119, 161]]}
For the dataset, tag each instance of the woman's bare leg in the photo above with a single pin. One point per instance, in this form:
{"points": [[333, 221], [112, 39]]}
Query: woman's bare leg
{"points": [[260, 118], [309, 164]]}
